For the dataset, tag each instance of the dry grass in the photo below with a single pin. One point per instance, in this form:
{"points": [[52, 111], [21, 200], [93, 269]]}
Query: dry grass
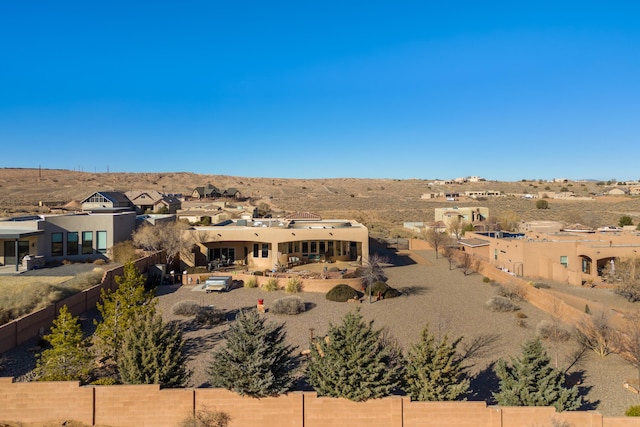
{"points": [[20, 295]]}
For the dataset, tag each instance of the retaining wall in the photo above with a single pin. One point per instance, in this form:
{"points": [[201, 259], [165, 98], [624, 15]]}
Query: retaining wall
{"points": [[148, 405]]}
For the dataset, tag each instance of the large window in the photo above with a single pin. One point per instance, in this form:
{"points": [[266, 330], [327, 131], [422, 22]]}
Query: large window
{"points": [[72, 243], [256, 250], [305, 248], [102, 242], [56, 244], [223, 254], [87, 242]]}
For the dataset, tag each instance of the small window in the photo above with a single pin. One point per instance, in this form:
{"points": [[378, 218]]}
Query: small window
{"points": [[56, 244], [564, 261], [495, 254], [256, 250], [314, 247], [72, 243], [87, 242], [265, 250]]}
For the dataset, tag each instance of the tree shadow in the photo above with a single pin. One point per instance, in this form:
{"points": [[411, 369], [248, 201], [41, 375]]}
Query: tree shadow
{"points": [[483, 384], [414, 290], [196, 346], [232, 314], [161, 290], [309, 306], [577, 378], [400, 260]]}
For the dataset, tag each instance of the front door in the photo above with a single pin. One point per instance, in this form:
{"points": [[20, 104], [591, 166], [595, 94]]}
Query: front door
{"points": [[353, 251]]}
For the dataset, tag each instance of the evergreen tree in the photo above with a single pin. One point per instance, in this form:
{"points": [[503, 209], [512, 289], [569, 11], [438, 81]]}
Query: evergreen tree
{"points": [[532, 381], [152, 353], [118, 309], [69, 357], [255, 360], [354, 361], [435, 370]]}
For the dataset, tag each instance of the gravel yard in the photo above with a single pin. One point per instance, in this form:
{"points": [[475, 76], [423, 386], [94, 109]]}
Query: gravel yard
{"points": [[446, 300]]}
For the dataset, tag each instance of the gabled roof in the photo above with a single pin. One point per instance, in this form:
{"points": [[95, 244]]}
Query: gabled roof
{"points": [[147, 195], [116, 197], [230, 191], [302, 215]]}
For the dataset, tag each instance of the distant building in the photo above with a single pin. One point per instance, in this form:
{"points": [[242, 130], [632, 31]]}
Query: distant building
{"points": [[465, 214]]}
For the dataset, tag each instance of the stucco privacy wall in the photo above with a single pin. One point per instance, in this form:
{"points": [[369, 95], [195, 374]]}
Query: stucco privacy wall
{"points": [[20, 330], [148, 405]]}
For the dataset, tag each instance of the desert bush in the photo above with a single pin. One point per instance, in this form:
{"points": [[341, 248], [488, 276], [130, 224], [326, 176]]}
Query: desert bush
{"points": [[349, 275], [271, 285], [294, 285], [206, 418], [542, 204], [105, 381], [541, 286], [334, 269], [288, 305], [550, 330], [342, 293], [209, 316], [486, 280], [521, 315], [511, 291], [252, 282], [100, 261], [185, 308], [633, 411], [501, 304]]}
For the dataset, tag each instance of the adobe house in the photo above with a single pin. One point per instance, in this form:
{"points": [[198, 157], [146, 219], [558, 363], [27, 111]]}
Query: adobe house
{"points": [[264, 243], [465, 214], [575, 255]]}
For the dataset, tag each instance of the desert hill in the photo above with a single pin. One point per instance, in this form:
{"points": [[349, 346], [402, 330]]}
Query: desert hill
{"points": [[382, 204]]}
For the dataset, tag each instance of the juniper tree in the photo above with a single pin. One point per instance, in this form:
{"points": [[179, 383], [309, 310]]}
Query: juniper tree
{"points": [[354, 361], [435, 370], [530, 380], [152, 353], [255, 360], [69, 357], [118, 309]]}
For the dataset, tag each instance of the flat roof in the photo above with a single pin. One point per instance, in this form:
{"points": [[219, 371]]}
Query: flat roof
{"points": [[18, 233]]}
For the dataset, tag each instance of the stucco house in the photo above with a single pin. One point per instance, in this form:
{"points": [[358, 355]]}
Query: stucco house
{"points": [[269, 242], [153, 201]]}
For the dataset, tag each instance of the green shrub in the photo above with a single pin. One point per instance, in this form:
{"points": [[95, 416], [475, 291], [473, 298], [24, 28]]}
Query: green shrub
{"points": [[209, 316], [294, 285], [252, 282], [486, 279], [185, 308], [105, 381], [383, 289], [342, 293], [501, 304], [633, 411], [288, 305], [271, 285]]}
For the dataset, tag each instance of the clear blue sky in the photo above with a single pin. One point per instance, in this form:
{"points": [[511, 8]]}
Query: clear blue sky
{"points": [[313, 89]]}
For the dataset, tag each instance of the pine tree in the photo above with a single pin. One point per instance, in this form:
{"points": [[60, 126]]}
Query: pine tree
{"points": [[152, 353], [255, 360], [354, 361], [435, 370], [118, 309], [69, 357], [532, 381]]}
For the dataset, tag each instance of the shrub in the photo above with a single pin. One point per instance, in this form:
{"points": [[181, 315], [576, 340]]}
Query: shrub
{"points": [[206, 418], [349, 275], [252, 282], [521, 315], [342, 293], [554, 331], [288, 305], [209, 316], [105, 381], [99, 261], [334, 269], [501, 304], [271, 285], [541, 286], [486, 280], [542, 204], [383, 289], [633, 411], [185, 308], [294, 285], [511, 291]]}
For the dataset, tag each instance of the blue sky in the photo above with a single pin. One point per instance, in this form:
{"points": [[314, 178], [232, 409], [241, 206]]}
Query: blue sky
{"points": [[425, 89]]}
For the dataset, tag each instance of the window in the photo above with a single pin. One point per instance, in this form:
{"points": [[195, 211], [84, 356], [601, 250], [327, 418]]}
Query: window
{"points": [[102, 242], [290, 248], [224, 254], [564, 261], [495, 254], [265, 250], [256, 249], [305, 248], [586, 265], [296, 247], [72, 243], [314, 247], [323, 248], [56, 244], [87, 242]]}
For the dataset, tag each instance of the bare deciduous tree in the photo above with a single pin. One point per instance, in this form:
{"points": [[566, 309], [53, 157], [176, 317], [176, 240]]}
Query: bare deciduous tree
{"points": [[625, 274], [165, 236], [456, 227], [597, 334], [437, 239], [629, 342]]}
